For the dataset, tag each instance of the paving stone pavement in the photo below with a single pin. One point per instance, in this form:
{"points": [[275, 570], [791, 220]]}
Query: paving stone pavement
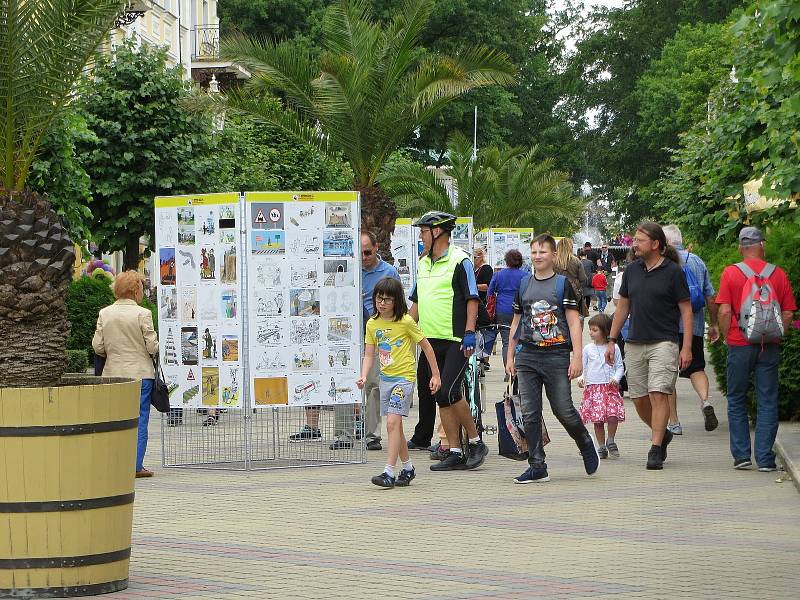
{"points": [[697, 529]]}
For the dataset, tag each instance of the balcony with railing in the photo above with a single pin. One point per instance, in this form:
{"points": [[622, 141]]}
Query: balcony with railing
{"points": [[205, 46]]}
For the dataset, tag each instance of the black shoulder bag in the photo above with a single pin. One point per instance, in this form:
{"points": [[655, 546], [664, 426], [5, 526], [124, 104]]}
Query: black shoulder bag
{"points": [[159, 395]]}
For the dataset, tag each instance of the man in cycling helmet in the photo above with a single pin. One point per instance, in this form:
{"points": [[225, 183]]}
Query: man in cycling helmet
{"points": [[445, 303]]}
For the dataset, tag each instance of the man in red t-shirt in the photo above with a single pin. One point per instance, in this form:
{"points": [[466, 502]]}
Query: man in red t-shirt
{"points": [[745, 359], [599, 284]]}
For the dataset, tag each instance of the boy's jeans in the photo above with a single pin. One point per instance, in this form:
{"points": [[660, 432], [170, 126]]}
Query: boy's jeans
{"points": [[763, 364], [602, 300], [546, 368]]}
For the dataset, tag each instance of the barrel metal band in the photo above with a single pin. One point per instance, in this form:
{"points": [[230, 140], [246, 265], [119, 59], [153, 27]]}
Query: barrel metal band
{"points": [[66, 505], [63, 562], [91, 589], [78, 429]]}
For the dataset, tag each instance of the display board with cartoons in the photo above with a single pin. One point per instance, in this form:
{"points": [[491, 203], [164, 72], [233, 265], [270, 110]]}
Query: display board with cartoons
{"points": [[198, 251], [304, 297], [501, 240]]}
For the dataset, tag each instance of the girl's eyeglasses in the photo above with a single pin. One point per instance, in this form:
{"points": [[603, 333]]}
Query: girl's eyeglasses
{"points": [[384, 300]]}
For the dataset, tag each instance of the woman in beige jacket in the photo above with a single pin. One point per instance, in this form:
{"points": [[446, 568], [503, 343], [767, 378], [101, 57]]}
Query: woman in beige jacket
{"points": [[126, 338]]}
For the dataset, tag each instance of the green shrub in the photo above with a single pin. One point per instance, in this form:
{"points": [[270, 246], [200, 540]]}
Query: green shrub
{"points": [[85, 297], [77, 361], [145, 303]]}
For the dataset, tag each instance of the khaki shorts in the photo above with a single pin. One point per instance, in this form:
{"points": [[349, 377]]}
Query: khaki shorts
{"points": [[651, 368]]}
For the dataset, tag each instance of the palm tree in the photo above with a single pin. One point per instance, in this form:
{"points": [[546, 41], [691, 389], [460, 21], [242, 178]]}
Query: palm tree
{"points": [[498, 188], [44, 47], [370, 90]]}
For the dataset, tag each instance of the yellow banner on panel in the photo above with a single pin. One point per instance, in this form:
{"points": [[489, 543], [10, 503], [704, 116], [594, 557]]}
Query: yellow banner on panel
{"points": [[403, 221], [196, 200], [301, 196], [512, 230]]}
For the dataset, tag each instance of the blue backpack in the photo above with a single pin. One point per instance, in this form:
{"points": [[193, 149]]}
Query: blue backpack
{"points": [[696, 296]]}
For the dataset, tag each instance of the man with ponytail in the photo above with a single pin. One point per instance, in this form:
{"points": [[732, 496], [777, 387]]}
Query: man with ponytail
{"points": [[655, 294]]}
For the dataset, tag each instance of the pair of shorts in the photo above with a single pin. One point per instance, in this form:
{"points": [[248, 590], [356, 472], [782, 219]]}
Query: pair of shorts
{"points": [[452, 364], [698, 357], [396, 397], [651, 368]]}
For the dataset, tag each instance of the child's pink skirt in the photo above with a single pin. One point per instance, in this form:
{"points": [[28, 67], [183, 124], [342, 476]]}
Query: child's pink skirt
{"points": [[601, 401]]}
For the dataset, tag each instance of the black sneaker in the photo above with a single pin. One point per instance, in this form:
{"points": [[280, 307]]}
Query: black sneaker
{"points": [[710, 418], [405, 477], [591, 460], [668, 435], [454, 461], [414, 446], [374, 445], [383, 480], [533, 476], [341, 445], [655, 458], [306, 434], [477, 454], [742, 463]]}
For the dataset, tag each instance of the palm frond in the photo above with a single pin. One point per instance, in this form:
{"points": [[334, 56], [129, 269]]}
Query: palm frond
{"points": [[44, 47], [414, 189]]}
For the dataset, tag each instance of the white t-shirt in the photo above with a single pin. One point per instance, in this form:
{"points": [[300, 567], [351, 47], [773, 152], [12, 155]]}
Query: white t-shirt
{"points": [[617, 285], [596, 369]]}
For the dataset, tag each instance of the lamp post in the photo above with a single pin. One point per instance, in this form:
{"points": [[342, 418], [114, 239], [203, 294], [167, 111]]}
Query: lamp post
{"points": [[134, 10]]}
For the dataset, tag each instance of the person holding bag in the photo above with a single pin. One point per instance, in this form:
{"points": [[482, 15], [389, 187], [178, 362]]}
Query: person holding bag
{"points": [[126, 338]]}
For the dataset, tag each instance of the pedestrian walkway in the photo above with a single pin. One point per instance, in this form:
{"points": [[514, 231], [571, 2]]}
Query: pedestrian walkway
{"points": [[697, 529]]}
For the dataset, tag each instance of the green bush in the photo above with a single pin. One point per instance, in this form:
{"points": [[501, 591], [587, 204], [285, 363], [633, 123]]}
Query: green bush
{"points": [[77, 361], [85, 297], [145, 303]]}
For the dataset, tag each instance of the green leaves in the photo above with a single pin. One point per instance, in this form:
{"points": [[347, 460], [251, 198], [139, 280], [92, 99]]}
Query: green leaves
{"points": [[44, 47]]}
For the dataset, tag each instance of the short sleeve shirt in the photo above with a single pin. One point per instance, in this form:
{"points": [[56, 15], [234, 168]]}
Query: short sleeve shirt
{"points": [[698, 268], [544, 318], [396, 343], [368, 281], [730, 292], [483, 275], [654, 297]]}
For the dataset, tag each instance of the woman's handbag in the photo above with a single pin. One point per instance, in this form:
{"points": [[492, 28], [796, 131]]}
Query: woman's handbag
{"points": [[510, 429], [159, 395]]}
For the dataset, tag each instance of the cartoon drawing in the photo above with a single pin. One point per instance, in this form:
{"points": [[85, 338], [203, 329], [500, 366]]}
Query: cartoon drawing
{"points": [[385, 348], [340, 329], [271, 361], [207, 263], [337, 243], [230, 348], [305, 331], [189, 344], [170, 354], [167, 265], [303, 391], [209, 344], [230, 391], [306, 359], [339, 273], [186, 235], [268, 275], [339, 357], [227, 217], [267, 242], [229, 304], [270, 390], [337, 215], [266, 215], [210, 383], [168, 306], [228, 268], [189, 303], [269, 304], [269, 334], [187, 257], [544, 323], [304, 303], [304, 274]]}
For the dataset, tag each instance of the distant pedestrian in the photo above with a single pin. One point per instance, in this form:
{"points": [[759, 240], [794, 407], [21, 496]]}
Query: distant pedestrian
{"points": [[394, 335], [599, 284], [695, 372], [755, 309], [590, 268], [602, 402], [505, 284], [569, 265], [655, 294]]}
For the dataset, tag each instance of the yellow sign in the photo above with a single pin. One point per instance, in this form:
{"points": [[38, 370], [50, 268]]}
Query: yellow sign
{"points": [[301, 196], [196, 200]]}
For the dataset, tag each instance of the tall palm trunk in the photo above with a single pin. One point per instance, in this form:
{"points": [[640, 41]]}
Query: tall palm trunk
{"points": [[378, 214], [36, 258]]}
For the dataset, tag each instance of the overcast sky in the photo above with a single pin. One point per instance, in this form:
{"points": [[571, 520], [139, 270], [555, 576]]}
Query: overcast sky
{"points": [[559, 3]]}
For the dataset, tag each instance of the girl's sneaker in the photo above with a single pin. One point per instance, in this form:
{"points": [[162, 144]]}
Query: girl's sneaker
{"points": [[613, 449], [383, 480], [405, 477], [533, 476], [602, 452]]}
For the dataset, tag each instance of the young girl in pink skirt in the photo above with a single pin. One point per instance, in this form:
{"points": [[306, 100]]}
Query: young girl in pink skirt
{"points": [[602, 401]]}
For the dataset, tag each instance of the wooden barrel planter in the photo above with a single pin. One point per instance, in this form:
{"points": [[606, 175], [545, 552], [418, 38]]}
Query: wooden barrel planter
{"points": [[67, 460]]}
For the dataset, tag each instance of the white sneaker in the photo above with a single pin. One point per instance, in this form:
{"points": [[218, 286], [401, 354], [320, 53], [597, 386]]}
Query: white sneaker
{"points": [[675, 428]]}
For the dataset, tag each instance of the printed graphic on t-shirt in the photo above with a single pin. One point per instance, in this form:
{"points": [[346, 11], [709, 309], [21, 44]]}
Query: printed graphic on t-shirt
{"points": [[397, 398], [546, 330], [385, 346]]}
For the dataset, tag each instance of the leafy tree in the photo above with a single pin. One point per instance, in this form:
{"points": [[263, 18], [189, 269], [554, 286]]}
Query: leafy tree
{"points": [[369, 92], [254, 156], [510, 187], [58, 172], [273, 19], [44, 48], [145, 144]]}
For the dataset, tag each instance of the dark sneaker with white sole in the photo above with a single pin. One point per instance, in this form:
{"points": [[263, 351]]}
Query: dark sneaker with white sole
{"points": [[383, 480], [477, 454], [306, 434], [710, 418], [591, 459], [768, 468], [414, 446], [742, 463], [454, 461], [533, 476], [405, 477], [655, 458], [664, 443]]}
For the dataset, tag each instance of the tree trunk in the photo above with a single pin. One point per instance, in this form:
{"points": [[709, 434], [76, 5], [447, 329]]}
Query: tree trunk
{"points": [[378, 214], [34, 350], [131, 255]]}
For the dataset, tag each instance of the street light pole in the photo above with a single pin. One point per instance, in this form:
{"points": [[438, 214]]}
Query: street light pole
{"points": [[475, 136]]}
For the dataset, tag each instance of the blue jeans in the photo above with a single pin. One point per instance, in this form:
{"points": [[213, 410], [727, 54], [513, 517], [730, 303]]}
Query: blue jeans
{"points": [[602, 300], [144, 417], [763, 364], [547, 368]]}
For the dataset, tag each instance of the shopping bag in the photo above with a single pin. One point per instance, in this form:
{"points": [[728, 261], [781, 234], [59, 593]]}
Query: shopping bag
{"points": [[510, 429]]}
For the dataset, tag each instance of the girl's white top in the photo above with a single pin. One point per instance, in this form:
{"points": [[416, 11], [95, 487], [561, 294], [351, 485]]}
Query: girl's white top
{"points": [[595, 367]]}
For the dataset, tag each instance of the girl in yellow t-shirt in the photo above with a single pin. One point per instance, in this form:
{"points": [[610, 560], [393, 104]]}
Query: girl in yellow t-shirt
{"points": [[395, 334]]}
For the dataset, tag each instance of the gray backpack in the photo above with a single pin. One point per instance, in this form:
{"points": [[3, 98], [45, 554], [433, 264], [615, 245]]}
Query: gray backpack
{"points": [[759, 311]]}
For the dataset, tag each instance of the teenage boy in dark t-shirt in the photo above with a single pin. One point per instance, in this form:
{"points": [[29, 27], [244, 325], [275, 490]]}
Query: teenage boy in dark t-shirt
{"points": [[547, 323]]}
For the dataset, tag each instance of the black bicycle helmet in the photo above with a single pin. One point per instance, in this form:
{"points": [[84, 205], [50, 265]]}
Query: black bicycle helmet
{"points": [[436, 218]]}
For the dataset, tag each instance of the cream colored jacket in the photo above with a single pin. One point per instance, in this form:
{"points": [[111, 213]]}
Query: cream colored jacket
{"points": [[126, 337]]}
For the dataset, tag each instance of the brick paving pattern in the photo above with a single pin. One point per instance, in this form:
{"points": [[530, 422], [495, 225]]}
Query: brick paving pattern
{"points": [[697, 529]]}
